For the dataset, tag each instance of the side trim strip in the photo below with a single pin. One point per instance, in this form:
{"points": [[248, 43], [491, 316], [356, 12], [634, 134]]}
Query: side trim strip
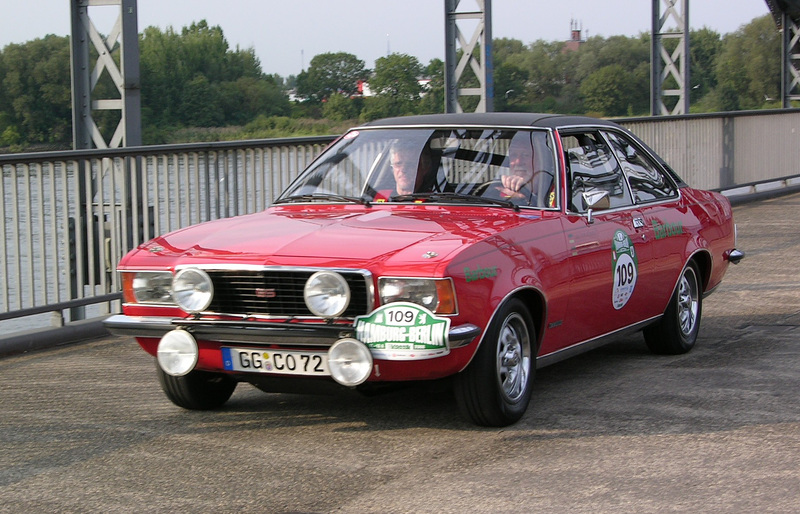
{"points": [[591, 344]]}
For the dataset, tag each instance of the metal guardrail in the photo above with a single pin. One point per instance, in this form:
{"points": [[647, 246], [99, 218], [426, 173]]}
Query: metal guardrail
{"points": [[68, 217]]}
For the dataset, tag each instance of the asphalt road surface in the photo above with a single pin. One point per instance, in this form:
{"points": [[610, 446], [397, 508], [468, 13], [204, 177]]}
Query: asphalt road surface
{"points": [[85, 428]]}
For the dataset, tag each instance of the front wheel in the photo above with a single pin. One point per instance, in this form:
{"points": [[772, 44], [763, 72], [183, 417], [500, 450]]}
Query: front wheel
{"points": [[197, 390], [495, 389], [677, 331]]}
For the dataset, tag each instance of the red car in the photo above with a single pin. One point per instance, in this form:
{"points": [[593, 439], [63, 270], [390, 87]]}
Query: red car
{"points": [[478, 247]]}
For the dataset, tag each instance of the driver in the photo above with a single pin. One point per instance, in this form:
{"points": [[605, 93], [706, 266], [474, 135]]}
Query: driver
{"points": [[515, 185], [520, 165]]}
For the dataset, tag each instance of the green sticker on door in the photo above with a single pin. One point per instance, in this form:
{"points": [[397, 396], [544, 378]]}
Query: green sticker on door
{"points": [[626, 269]]}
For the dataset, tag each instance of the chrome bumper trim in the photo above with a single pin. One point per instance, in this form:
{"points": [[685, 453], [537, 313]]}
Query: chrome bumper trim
{"points": [[253, 332], [735, 256]]}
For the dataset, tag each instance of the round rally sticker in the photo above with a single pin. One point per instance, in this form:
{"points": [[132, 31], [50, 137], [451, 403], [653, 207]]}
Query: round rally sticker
{"points": [[625, 269]]}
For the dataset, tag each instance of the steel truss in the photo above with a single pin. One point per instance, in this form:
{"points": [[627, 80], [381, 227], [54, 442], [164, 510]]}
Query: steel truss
{"points": [[475, 54], [790, 69], [669, 72], [125, 75]]}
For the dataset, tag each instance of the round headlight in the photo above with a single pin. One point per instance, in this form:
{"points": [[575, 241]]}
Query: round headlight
{"points": [[192, 290], [326, 294], [177, 353], [349, 361]]}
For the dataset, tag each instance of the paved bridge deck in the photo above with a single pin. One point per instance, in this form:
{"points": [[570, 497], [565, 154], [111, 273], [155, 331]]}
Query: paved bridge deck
{"points": [[86, 427]]}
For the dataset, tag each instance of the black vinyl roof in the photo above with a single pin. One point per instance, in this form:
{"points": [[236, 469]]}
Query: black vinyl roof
{"points": [[516, 119]]}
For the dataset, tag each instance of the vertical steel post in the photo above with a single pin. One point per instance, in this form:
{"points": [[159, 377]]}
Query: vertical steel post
{"points": [[117, 52], [129, 60], [79, 70], [480, 63], [125, 75], [790, 60], [676, 64]]}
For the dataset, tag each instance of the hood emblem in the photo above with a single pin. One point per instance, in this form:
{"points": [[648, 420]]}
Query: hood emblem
{"points": [[262, 292], [429, 255]]}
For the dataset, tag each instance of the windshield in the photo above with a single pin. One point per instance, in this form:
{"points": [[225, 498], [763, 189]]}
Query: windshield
{"points": [[500, 166]]}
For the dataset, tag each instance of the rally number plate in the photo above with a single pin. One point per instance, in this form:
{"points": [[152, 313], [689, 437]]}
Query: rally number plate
{"points": [[280, 362]]}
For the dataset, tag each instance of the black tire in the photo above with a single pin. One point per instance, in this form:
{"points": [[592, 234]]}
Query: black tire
{"points": [[495, 389], [197, 390], [676, 332]]}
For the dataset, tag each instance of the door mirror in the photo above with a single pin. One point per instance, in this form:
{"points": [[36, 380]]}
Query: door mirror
{"points": [[596, 199]]}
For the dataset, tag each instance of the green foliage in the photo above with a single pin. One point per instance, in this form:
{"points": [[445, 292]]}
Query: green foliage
{"points": [[749, 67], [704, 48], [510, 85], [432, 101], [195, 87], [331, 73], [396, 83], [35, 91], [340, 108], [194, 79], [607, 91]]}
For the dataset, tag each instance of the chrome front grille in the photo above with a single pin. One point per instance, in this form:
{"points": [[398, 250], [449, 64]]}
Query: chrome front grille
{"points": [[278, 293]]}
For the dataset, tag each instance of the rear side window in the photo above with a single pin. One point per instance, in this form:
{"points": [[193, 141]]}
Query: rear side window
{"points": [[592, 167], [648, 183]]}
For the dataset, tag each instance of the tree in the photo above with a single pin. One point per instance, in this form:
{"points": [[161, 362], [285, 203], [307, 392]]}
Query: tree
{"points": [[194, 79], [36, 91], [704, 47], [396, 80], [341, 108], [510, 85], [200, 104], [432, 101], [331, 73], [607, 91], [749, 66]]}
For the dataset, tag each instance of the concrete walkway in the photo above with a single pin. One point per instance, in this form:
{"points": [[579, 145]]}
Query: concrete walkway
{"points": [[85, 428]]}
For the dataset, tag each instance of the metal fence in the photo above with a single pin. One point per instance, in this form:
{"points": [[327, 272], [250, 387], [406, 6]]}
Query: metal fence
{"points": [[67, 217]]}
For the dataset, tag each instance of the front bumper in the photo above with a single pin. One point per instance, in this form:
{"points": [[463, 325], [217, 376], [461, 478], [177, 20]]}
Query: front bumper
{"points": [[231, 332]]}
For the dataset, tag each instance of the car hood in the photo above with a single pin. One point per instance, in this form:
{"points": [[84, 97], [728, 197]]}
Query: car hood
{"points": [[324, 236]]}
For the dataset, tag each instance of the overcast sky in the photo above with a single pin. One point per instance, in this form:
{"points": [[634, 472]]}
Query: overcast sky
{"points": [[286, 34]]}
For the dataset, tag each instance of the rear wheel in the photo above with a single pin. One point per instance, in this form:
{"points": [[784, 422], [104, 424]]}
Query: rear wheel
{"points": [[495, 389], [197, 390], [677, 331]]}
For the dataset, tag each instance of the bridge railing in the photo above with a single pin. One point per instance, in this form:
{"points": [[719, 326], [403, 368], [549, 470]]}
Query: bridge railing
{"points": [[68, 217]]}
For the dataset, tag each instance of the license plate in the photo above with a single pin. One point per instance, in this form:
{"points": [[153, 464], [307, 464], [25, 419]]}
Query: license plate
{"points": [[279, 362]]}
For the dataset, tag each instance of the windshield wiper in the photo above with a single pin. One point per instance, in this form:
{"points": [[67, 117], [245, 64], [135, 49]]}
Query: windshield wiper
{"points": [[326, 196], [445, 196]]}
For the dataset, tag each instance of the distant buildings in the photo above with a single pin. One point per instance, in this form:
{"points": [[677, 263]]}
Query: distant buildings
{"points": [[575, 40]]}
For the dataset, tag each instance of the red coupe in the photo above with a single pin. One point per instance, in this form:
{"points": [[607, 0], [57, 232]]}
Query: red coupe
{"points": [[477, 247]]}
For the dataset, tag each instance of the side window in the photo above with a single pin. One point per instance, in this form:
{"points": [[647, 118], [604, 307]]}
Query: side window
{"points": [[592, 167], [647, 181]]}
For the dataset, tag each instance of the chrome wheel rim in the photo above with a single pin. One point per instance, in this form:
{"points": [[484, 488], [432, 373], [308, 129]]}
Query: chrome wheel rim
{"points": [[513, 357], [688, 301]]}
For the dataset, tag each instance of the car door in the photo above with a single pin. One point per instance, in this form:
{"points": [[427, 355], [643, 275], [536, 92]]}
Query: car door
{"points": [[657, 199], [608, 239]]}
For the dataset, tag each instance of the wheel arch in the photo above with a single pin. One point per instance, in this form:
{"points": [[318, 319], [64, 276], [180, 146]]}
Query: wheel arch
{"points": [[535, 301], [702, 258]]}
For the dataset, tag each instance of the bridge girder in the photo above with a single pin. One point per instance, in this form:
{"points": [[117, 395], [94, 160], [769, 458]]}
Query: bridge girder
{"points": [[476, 56], [124, 75], [672, 25], [787, 17]]}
